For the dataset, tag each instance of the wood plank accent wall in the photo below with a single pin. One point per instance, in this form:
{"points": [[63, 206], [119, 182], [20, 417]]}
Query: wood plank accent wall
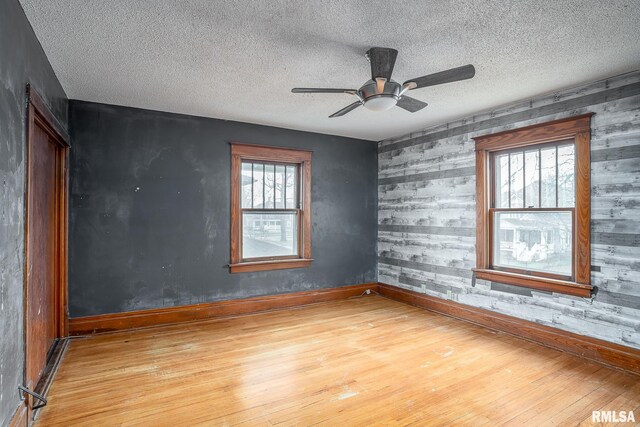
{"points": [[427, 215]]}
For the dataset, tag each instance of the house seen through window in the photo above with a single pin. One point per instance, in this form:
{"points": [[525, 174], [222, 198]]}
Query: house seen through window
{"points": [[270, 210], [532, 209]]}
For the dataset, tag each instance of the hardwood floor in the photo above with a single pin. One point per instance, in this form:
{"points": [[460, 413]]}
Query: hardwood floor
{"points": [[363, 361]]}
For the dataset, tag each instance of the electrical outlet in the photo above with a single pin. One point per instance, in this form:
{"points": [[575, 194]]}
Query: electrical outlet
{"points": [[449, 294], [424, 288]]}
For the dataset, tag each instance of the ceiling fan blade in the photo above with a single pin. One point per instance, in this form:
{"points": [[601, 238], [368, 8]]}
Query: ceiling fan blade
{"points": [[448, 76], [346, 109], [322, 90], [382, 60], [411, 104]]}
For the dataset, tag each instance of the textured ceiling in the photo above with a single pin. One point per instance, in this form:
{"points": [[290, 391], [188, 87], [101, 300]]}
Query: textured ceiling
{"points": [[238, 60]]}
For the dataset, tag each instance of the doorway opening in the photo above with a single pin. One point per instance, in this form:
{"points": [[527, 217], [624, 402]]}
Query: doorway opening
{"points": [[45, 284]]}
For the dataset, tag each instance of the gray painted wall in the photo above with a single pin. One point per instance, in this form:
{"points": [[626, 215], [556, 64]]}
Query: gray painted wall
{"points": [[22, 61], [150, 210], [426, 194]]}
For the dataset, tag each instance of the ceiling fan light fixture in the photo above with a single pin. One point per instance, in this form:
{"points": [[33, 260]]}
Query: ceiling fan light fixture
{"points": [[382, 93], [380, 103]]}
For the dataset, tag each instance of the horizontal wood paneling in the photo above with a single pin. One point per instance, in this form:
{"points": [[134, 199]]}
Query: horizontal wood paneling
{"points": [[417, 229], [432, 268], [617, 239], [617, 153], [425, 176], [427, 224], [521, 116], [167, 315]]}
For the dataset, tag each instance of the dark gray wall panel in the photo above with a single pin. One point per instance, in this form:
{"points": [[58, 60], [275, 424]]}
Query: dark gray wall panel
{"points": [[22, 61], [426, 211], [150, 207]]}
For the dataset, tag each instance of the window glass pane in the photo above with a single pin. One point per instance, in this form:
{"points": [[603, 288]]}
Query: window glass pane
{"points": [[291, 187], [269, 186], [269, 235], [502, 181], [258, 185], [517, 163], [532, 179], [247, 184], [279, 186], [533, 241], [566, 177], [548, 190]]}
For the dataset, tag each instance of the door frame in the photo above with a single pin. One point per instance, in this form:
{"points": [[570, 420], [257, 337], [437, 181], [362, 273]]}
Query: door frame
{"points": [[39, 114]]}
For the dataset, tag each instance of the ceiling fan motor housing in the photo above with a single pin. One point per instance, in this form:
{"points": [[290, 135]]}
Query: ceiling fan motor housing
{"points": [[381, 93], [380, 101]]}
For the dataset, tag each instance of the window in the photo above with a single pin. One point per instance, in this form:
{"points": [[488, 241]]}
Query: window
{"points": [[270, 208], [533, 194], [533, 206]]}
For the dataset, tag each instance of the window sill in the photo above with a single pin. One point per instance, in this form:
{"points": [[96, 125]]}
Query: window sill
{"points": [[269, 265], [534, 282]]}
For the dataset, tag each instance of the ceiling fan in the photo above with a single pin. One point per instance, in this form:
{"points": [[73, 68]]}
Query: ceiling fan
{"points": [[381, 93]]}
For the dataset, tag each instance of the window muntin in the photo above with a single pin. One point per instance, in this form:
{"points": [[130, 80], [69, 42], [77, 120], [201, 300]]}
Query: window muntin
{"points": [[269, 185], [533, 200], [540, 176], [270, 210]]}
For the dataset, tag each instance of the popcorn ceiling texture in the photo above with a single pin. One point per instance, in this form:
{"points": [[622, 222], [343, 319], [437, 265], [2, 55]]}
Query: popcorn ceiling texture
{"points": [[238, 60]]}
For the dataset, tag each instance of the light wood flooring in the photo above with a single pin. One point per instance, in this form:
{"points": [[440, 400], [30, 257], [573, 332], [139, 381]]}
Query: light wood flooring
{"points": [[363, 361]]}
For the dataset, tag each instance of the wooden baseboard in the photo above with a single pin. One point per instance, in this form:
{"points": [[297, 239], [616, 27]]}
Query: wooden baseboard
{"points": [[50, 370], [19, 418], [163, 316], [610, 354]]}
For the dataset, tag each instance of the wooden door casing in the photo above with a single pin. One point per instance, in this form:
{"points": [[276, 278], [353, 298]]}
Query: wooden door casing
{"points": [[45, 289]]}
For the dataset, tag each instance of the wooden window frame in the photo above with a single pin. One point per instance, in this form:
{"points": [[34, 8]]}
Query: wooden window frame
{"points": [[279, 155], [576, 129]]}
